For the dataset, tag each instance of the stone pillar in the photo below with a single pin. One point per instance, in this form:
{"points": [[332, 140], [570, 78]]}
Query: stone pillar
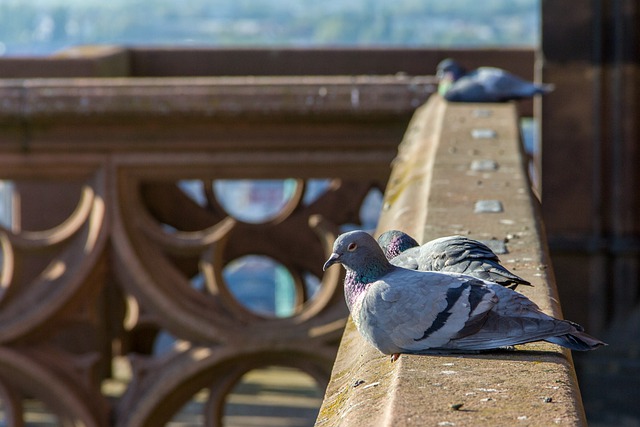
{"points": [[590, 176]]}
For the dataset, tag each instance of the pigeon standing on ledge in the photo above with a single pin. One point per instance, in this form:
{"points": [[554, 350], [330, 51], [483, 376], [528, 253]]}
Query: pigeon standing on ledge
{"points": [[485, 84], [407, 311], [456, 254]]}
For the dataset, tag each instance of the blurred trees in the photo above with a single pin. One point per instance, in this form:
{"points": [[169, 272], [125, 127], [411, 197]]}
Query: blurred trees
{"points": [[41, 26]]}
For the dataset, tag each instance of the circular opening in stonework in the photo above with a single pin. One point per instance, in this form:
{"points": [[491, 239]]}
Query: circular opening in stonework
{"points": [[262, 285], [254, 201], [371, 208], [312, 284], [6, 203], [273, 396], [4, 281], [194, 189], [369, 212], [314, 189], [192, 412]]}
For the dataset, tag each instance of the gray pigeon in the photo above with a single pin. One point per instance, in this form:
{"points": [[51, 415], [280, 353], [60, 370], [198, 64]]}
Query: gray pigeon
{"points": [[406, 311], [456, 254], [485, 84]]}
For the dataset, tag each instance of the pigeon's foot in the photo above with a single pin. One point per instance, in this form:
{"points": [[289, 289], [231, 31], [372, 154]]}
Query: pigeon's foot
{"points": [[394, 357]]}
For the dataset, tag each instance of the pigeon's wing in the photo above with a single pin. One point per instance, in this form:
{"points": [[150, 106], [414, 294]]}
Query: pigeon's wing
{"points": [[460, 247], [468, 89], [387, 316], [458, 254], [409, 259], [489, 84], [415, 311], [420, 312], [454, 250], [494, 272], [438, 254], [514, 320], [504, 85]]}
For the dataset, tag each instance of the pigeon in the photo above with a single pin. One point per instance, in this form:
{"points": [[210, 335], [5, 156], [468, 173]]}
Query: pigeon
{"points": [[485, 84], [456, 254], [399, 310]]}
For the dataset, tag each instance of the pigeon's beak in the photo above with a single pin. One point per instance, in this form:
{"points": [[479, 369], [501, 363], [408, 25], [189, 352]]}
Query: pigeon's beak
{"points": [[332, 260]]}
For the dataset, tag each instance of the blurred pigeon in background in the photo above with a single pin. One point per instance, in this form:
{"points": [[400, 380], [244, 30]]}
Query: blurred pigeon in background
{"points": [[407, 311], [485, 84], [456, 254]]}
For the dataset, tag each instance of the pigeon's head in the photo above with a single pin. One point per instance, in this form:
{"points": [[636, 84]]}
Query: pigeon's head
{"points": [[450, 70], [394, 242], [358, 251]]}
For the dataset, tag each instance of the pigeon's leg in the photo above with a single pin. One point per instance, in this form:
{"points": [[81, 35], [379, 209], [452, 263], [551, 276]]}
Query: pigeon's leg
{"points": [[394, 357]]}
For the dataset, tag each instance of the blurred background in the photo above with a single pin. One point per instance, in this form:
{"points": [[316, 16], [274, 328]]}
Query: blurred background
{"points": [[581, 141], [43, 27]]}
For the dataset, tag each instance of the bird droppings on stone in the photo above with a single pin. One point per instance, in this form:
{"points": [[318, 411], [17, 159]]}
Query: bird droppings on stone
{"points": [[483, 134], [357, 383], [376, 384], [482, 112], [490, 390], [488, 206], [484, 165]]}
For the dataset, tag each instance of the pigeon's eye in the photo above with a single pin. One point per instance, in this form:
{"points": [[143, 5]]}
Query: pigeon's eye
{"points": [[352, 247]]}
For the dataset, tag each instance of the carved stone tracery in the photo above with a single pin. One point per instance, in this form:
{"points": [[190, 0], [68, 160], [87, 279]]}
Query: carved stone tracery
{"points": [[144, 234]]}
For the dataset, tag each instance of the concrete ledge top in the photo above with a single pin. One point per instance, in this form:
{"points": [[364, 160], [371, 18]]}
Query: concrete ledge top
{"points": [[434, 191]]}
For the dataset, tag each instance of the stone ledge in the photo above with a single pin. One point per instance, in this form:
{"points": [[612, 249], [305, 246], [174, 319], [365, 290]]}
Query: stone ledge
{"points": [[89, 115], [432, 192], [81, 61], [214, 96]]}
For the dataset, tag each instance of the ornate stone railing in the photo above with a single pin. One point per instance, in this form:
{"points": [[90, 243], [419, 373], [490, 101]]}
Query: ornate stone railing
{"points": [[104, 255], [460, 170]]}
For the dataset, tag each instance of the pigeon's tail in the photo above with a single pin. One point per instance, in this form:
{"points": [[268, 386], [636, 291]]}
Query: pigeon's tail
{"points": [[504, 277], [577, 340], [545, 88]]}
